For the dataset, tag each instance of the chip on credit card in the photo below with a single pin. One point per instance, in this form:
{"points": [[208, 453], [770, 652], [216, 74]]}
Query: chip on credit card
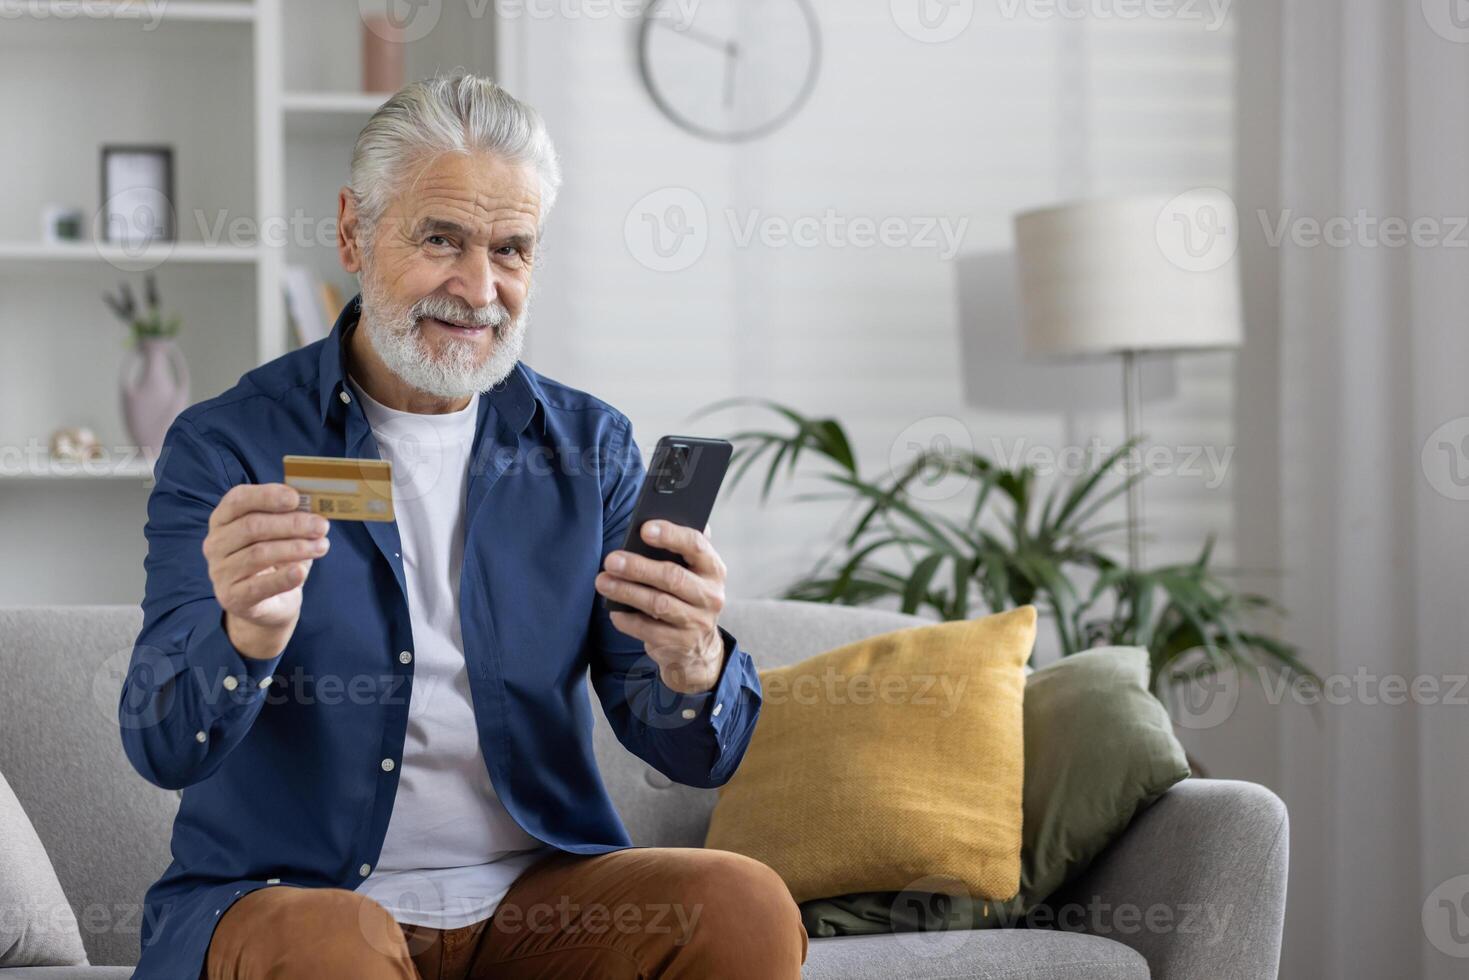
{"points": [[342, 489]]}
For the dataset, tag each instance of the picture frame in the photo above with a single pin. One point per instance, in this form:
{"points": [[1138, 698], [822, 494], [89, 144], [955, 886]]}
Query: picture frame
{"points": [[137, 194]]}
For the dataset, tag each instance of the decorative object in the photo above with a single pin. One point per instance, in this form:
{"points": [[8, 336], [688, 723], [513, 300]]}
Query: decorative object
{"points": [[39, 928], [1012, 548], [155, 377], [76, 444], [137, 195], [1128, 276], [384, 58], [61, 223], [1098, 750], [898, 757], [733, 70]]}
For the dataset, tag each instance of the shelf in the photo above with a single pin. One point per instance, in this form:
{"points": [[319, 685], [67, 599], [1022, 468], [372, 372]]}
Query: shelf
{"points": [[125, 258], [137, 467], [329, 115], [363, 103], [227, 11]]}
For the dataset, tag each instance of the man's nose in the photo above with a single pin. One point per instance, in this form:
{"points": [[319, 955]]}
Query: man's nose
{"points": [[475, 282]]}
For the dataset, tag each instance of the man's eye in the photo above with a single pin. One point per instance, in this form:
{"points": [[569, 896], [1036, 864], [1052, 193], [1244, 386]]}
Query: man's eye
{"points": [[437, 240]]}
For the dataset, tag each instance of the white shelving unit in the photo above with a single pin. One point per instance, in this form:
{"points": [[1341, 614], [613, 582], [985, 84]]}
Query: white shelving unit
{"points": [[260, 101]]}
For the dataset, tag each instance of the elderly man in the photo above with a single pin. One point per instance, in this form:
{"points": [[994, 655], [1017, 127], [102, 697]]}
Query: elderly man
{"points": [[382, 729]]}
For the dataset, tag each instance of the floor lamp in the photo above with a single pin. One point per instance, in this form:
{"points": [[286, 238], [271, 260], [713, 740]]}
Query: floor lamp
{"points": [[1129, 276]]}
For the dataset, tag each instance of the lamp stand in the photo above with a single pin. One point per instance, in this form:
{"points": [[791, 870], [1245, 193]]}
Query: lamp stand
{"points": [[1131, 409]]}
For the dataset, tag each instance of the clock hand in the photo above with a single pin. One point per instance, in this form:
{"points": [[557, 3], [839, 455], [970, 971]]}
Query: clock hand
{"points": [[732, 54], [688, 31]]}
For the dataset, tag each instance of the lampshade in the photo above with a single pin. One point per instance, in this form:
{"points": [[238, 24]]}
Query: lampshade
{"points": [[1130, 274]]}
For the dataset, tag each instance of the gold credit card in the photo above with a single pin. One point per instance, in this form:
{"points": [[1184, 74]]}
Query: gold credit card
{"points": [[342, 489]]}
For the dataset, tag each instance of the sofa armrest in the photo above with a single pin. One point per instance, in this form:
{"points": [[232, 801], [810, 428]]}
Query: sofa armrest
{"points": [[1196, 885]]}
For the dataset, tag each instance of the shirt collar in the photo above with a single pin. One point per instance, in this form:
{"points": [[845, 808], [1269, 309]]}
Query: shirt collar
{"points": [[518, 399]]}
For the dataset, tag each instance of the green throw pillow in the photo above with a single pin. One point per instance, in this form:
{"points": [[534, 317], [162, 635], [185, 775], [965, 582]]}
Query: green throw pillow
{"points": [[1098, 749]]}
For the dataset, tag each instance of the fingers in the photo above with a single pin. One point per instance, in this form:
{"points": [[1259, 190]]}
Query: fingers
{"points": [[655, 635], [246, 497], [261, 555], [691, 545], [655, 602], [255, 526], [247, 592]]}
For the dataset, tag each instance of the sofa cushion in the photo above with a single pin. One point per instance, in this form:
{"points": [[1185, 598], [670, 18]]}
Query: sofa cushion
{"points": [[106, 829], [892, 759], [775, 632], [996, 954], [38, 927]]}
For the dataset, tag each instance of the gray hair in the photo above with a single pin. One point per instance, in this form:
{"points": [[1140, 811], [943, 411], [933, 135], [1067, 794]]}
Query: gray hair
{"points": [[458, 114]]}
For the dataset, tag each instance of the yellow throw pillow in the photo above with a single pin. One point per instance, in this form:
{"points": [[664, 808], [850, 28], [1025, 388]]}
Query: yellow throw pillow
{"points": [[892, 759]]}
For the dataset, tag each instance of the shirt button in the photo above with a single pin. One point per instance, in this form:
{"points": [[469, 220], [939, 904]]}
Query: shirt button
{"points": [[272, 881], [231, 682], [405, 657], [718, 708], [387, 765], [346, 399], [265, 681], [200, 737], [688, 712], [365, 870]]}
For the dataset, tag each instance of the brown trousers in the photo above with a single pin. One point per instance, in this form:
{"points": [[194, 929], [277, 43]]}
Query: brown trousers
{"points": [[680, 913]]}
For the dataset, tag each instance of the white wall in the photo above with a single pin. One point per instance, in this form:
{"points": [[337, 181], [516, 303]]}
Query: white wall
{"points": [[1012, 113]]}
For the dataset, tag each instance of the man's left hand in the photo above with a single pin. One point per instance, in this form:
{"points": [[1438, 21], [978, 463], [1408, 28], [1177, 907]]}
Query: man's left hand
{"points": [[678, 607]]}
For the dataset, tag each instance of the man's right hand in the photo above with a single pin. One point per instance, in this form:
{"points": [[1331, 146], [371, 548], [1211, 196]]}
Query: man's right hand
{"points": [[260, 549]]}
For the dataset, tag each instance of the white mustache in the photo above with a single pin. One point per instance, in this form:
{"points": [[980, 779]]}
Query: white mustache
{"points": [[494, 315]]}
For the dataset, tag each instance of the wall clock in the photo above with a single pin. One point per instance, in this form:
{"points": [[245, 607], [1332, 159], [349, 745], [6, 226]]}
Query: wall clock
{"points": [[729, 70]]}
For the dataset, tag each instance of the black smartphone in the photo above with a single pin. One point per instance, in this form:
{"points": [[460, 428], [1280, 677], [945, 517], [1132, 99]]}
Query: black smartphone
{"points": [[682, 481]]}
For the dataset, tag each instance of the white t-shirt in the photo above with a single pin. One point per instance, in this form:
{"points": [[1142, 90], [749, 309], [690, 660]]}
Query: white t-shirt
{"points": [[451, 850]]}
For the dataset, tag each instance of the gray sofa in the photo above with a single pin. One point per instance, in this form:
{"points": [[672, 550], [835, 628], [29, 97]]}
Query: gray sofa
{"points": [[1194, 891]]}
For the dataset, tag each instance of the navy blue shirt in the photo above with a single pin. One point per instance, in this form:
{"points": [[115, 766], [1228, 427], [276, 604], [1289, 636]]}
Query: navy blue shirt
{"points": [[281, 761]]}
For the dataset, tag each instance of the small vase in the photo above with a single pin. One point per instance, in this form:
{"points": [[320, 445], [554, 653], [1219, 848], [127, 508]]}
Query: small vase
{"points": [[155, 388]]}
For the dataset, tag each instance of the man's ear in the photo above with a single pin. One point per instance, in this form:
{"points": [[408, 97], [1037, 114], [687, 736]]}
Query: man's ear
{"points": [[348, 247]]}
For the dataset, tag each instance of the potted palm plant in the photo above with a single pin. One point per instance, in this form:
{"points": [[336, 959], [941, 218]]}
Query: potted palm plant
{"points": [[1012, 546]]}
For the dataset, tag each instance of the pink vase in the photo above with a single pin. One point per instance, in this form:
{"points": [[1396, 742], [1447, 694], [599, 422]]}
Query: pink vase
{"points": [[155, 388]]}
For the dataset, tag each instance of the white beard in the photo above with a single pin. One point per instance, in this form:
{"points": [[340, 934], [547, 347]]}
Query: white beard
{"points": [[455, 372]]}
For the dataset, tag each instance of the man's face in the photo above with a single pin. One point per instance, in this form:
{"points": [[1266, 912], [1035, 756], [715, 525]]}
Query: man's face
{"points": [[445, 285]]}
